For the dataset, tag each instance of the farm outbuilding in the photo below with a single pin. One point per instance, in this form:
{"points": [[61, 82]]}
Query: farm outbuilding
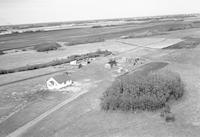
{"points": [[73, 62], [59, 81], [107, 66]]}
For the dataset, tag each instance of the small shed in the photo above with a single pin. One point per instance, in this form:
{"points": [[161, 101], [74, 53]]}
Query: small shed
{"points": [[59, 81], [107, 66], [73, 62]]}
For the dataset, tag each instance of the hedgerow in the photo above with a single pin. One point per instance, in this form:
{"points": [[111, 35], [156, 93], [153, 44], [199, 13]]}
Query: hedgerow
{"points": [[57, 62], [46, 47]]}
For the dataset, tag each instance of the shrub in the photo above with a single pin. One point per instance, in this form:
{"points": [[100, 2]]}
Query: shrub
{"points": [[24, 49], [169, 117], [112, 62], [97, 26], [166, 110], [80, 66], [46, 47], [1, 53], [142, 92]]}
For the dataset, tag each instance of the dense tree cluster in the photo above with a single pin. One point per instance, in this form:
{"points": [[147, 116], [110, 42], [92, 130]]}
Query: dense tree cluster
{"points": [[136, 91]]}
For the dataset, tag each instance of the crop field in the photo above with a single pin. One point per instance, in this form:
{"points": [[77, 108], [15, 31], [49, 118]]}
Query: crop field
{"points": [[28, 108], [30, 39]]}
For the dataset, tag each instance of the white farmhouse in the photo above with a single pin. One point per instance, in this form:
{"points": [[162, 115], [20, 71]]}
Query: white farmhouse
{"points": [[59, 81]]}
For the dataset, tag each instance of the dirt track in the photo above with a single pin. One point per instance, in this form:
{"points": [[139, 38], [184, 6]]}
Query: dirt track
{"points": [[23, 129]]}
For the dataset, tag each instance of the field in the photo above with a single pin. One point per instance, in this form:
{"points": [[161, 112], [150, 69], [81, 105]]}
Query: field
{"points": [[28, 109]]}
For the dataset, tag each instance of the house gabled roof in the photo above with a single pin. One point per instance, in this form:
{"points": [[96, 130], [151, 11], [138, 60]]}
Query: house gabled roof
{"points": [[62, 78]]}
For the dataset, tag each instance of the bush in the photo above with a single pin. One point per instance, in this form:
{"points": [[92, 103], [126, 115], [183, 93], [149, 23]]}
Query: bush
{"points": [[165, 111], [139, 92], [1, 53], [169, 117], [97, 26], [112, 62], [167, 114], [46, 47]]}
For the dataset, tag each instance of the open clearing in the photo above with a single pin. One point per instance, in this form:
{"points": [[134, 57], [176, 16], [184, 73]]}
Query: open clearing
{"points": [[22, 102]]}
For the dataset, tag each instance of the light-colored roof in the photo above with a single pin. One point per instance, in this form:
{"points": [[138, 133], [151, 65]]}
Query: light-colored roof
{"points": [[62, 78]]}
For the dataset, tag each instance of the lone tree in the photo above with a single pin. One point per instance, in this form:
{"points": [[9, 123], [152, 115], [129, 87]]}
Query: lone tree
{"points": [[112, 62], [80, 66]]}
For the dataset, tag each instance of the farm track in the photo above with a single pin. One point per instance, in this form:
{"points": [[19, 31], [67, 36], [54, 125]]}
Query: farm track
{"points": [[33, 122], [145, 46]]}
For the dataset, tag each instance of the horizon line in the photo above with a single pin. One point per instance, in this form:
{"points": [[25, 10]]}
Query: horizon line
{"points": [[101, 19]]}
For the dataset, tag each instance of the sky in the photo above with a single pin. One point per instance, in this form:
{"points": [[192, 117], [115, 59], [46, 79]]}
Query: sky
{"points": [[36, 11]]}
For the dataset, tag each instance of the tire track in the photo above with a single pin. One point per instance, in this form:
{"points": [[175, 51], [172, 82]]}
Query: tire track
{"points": [[33, 122]]}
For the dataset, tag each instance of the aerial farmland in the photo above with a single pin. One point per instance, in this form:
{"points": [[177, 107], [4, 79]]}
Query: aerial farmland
{"points": [[96, 62]]}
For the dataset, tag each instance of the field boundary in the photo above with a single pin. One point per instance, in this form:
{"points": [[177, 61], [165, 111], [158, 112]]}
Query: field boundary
{"points": [[29, 78]]}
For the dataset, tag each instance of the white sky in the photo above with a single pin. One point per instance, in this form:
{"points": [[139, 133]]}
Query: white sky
{"points": [[32, 11]]}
